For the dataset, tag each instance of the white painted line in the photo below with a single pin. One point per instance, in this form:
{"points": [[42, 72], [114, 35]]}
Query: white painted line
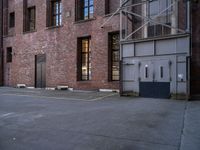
{"points": [[102, 97], [62, 98], [58, 98], [7, 114], [30, 88]]}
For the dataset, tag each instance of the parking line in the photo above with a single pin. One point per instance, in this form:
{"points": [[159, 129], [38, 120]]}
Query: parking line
{"points": [[58, 98], [102, 97], [62, 98]]}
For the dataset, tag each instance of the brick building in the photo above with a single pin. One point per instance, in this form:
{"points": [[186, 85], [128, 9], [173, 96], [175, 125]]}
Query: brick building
{"points": [[69, 44], [46, 43]]}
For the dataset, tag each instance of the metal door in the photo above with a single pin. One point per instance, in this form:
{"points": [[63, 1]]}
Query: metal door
{"points": [[155, 79], [40, 71], [146, 71], [162, 69]]}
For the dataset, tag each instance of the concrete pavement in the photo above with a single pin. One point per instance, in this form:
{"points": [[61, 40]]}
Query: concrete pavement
{"points": [[60, 120]]}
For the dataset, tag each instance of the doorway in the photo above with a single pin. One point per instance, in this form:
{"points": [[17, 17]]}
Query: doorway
{"points": [[40, 71]]}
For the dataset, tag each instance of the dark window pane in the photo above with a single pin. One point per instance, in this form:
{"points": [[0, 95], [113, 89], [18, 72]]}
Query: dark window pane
{"points": [[12, 20], [31, 19], [9, 54]]}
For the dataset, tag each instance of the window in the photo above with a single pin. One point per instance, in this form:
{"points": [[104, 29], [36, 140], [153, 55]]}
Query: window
{"points": [[114, 56], [9, 55], [111, 6], [161, 72], [153, 9], [12, 20], [31, 19], [84, 9], [146, 73], [84, 59], [54, 13]]}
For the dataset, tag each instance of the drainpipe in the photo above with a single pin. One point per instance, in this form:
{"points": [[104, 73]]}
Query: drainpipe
{"points": [[188, 16], [189, 30]]}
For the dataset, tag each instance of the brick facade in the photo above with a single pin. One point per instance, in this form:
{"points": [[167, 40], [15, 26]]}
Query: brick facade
{"points": [[60, 47]]}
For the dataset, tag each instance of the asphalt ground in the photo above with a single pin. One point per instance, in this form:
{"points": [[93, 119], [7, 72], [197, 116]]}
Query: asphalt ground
{"points": [[38, 119]]}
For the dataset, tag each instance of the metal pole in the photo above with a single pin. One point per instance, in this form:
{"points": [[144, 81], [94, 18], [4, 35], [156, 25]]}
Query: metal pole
{"points": [[121, 30], [120, 51], [188, 16]]}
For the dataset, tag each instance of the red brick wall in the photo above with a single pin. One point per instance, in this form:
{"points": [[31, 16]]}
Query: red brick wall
{"points": [[60, 46]]}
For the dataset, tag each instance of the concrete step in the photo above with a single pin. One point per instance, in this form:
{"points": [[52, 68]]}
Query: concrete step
{"points": [[61, 87], [21, 86]]}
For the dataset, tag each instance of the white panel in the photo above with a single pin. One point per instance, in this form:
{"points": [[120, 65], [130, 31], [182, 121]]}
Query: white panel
{"points": [[144, 49], [183, 45], [127, 86], [181, 59], [181, 72], [128, 50], [182, 88], [129, 72], [166, 46]]}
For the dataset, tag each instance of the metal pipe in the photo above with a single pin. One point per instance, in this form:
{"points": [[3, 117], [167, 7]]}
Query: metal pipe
{"points": [[121, 30], [120, 51], [188, 16]]}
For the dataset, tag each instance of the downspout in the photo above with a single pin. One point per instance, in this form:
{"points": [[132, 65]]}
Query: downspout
{"points": [[121, 37], [188, 16], [189, 30]]}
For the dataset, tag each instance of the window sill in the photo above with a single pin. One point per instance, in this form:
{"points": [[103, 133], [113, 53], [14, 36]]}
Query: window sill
{"points": [[27, 32], [54, 27], [83, 21]]}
